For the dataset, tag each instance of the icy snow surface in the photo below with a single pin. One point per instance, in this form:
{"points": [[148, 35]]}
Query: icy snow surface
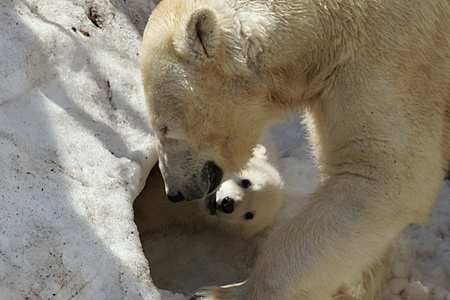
{"points": [[75, 152], [75, 147]]}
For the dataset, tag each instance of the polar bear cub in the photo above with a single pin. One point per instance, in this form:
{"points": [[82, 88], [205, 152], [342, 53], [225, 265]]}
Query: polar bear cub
{"points": [[244, 205], [250, 200]]}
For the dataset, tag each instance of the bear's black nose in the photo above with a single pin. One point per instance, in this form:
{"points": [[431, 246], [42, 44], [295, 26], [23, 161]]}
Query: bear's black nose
{"points": [[214, 176], [227, 205]]}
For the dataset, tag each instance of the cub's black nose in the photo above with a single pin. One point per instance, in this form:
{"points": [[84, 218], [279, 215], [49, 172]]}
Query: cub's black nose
{"points": [[227, 205], [176, 197]]}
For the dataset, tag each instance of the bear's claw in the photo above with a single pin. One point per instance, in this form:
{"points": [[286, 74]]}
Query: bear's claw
{"points": [[196, 297], [203, 294], [217, 293]]}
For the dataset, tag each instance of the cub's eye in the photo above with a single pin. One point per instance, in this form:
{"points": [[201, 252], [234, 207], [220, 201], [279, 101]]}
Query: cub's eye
{"points": [[248, 215], [245, 183]]}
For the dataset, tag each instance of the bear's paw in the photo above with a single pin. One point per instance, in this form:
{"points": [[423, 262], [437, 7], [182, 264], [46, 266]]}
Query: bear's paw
{"points": [[216, 293]]}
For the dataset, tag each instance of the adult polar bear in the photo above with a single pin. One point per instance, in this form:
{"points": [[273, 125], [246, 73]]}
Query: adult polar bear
{"points": [[374, 80]]}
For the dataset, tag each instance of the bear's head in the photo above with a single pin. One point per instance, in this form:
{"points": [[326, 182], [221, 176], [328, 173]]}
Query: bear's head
{"points": [[206, 105]]}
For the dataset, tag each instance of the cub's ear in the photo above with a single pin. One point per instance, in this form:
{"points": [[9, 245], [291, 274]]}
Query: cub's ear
{"points": [[201, 38]]}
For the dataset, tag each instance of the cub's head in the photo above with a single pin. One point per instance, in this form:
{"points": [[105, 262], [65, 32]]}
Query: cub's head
{"points": [[249, 201], [206, 106]]}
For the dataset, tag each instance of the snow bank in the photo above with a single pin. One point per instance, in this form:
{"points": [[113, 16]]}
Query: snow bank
{"points": [[75, 148]]}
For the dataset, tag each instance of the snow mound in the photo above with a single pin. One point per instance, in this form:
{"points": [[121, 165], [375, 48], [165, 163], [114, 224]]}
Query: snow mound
{"points": [[75, 145]]}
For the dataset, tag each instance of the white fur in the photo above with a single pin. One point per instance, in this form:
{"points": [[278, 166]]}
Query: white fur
{"points": [[262, 199]]}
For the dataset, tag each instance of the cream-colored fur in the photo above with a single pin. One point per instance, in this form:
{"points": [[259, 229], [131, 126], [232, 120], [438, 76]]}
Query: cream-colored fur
{"points": [[373, 78], [261, 197], [256, 192]]}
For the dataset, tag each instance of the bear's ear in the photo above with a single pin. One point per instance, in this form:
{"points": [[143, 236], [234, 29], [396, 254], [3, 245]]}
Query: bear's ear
{"points": [[201, 38]]}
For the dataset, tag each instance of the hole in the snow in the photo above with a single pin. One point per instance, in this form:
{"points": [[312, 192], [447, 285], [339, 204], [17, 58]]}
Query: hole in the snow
{"points": [[185, 253]]}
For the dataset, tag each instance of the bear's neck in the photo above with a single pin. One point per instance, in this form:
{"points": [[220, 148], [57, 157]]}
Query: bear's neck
{"points": [[295, 78]]}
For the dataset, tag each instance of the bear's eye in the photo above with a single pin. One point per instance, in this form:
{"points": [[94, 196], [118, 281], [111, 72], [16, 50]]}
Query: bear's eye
{"points": [[171, 133], [249, 215], [245, 183], [163, 130]]}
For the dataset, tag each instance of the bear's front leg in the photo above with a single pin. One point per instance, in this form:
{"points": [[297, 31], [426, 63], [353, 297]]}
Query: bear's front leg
{"points": [[345, 228]]}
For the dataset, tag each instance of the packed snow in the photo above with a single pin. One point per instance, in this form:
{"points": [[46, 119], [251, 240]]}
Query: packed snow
{"points": [[76, 149]]}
